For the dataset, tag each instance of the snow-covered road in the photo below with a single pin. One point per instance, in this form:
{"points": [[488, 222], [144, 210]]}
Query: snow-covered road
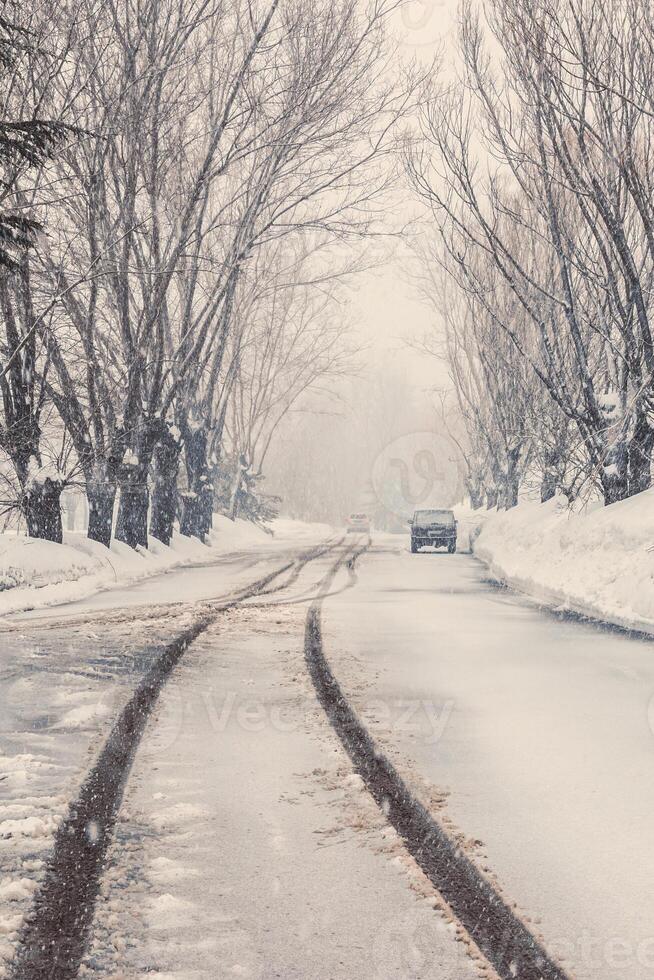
{"points": [[219, 574], [245, 844], [530, 734], [65, 675]]}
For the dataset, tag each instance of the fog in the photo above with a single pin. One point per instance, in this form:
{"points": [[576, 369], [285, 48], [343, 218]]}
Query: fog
{"points": [[323, 461], [332, 454]]}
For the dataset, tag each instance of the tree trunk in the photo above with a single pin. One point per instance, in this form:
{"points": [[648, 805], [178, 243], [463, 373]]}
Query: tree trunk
{"points": [[197, 510], [101, 498], [615, 476], [510, 492], [550, 477], [164, 494], [42, 509], [491, 498], [134, 502], [205, 504], [235, 500], [189, 522], [510, 479], [547, 486], [132, 520], [197, 502], [614, 488], [640, 455], [475, 490]]}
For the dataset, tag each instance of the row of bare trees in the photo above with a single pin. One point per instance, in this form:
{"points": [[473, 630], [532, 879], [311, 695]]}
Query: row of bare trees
{"points": [[215, 171], [536, 166]]}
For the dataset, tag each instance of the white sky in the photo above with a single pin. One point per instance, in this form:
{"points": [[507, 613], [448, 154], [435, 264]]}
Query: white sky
{"points": [[387, 309]]}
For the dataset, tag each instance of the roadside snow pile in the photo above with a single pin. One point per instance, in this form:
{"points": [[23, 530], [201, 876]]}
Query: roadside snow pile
{"points": [[470, 523], [599, 562], [28, 561], [35, 573]]}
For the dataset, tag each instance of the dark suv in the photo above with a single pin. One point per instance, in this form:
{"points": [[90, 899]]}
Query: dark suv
{"points": [[433, 528]]}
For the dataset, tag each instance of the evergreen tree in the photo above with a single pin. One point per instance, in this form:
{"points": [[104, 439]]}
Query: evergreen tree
{"points": [[25, 139]]}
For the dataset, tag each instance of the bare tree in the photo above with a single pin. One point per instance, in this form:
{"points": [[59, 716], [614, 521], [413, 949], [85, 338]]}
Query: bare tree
{"points": [[130, 226], [537, 174], [285, 129], [316, 172], [33, 59], [294, 343]]}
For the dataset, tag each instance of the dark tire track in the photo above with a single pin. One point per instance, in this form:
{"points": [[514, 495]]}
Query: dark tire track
{"points": [[53, 940], [500, 935]]}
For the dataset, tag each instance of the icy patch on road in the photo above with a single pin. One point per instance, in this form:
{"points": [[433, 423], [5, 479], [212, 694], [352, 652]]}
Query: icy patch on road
{"points": [[177, 817], [84, 716]]}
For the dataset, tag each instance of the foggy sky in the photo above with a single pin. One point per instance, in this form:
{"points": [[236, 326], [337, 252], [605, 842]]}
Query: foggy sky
{"points": [[386, 312]]}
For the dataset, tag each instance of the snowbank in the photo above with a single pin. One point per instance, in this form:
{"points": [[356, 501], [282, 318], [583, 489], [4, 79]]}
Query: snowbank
{"points": [[35, 573], [599, 562], [470, 523], [30, 562]]}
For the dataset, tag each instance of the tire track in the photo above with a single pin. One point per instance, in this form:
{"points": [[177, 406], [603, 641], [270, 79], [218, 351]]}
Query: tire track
{"points": [[54, 936], [500, 935], [137, 614]]}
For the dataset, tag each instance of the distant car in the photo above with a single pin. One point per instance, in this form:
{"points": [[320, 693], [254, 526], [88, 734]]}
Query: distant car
{"points": [[434, 529], [358, 524]]}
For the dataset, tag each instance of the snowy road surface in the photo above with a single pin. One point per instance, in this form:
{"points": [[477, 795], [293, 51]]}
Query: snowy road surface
{"points": [[246, 846], [219, 574], [534, 734]]}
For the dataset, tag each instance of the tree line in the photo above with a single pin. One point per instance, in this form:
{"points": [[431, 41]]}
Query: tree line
{"points": [[536, 168], [187, 186]]}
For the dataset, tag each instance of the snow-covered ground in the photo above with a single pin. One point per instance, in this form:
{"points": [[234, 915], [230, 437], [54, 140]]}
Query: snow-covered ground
{"points": [[65, 673], [35, 574], [599, 562], [246, 846], [60, 690], [530, 735], [246, 842]]}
